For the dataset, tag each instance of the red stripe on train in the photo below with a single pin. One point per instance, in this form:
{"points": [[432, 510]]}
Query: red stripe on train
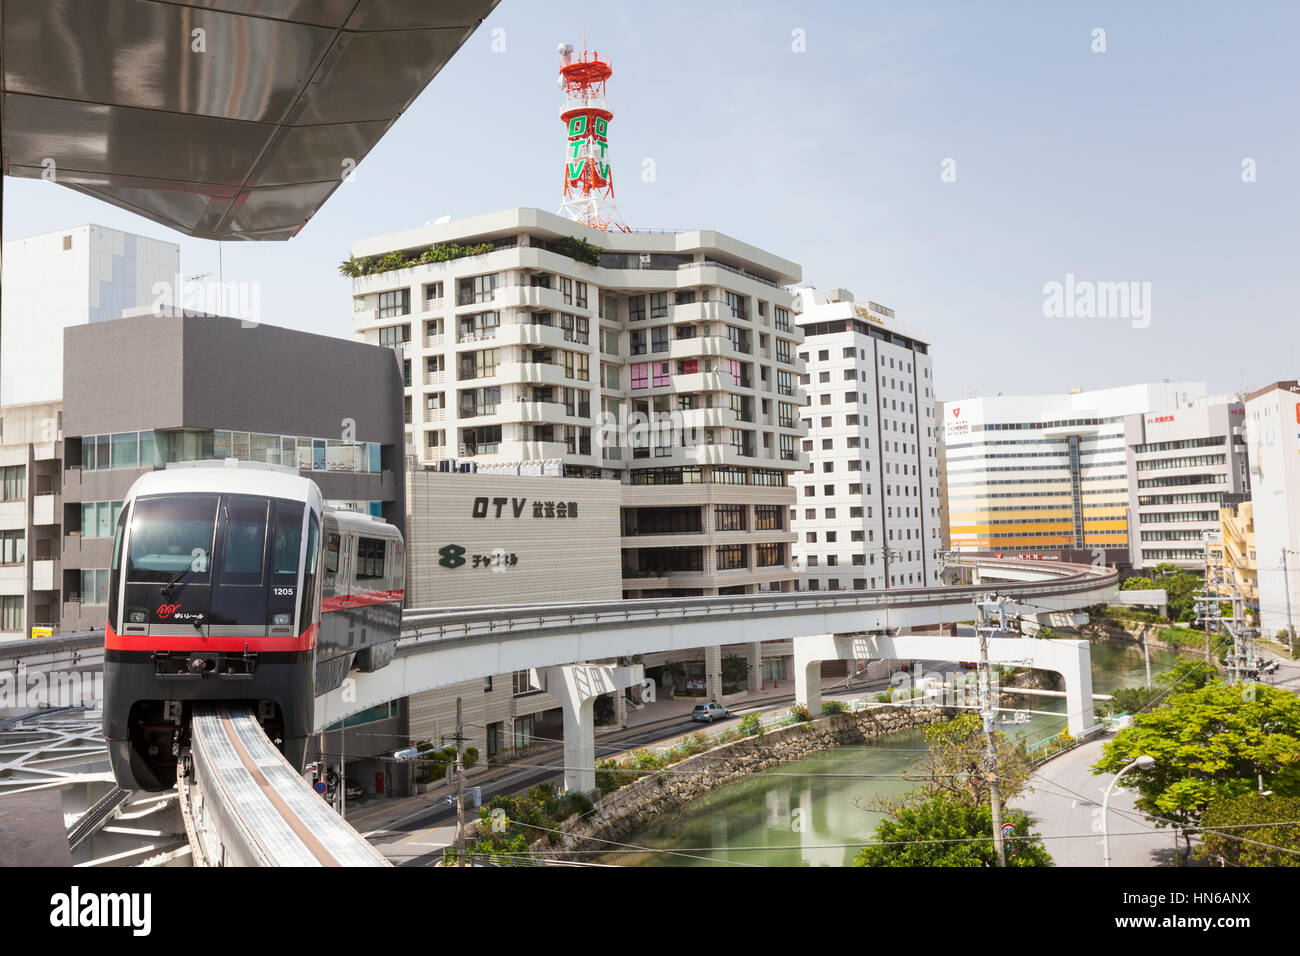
{"points": [[190, 641], [342, 602]]}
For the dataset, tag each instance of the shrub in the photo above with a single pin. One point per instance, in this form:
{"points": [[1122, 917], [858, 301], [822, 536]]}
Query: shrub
{"points": [[834, 707], [799, 713], [470, 757], [750, 726]]}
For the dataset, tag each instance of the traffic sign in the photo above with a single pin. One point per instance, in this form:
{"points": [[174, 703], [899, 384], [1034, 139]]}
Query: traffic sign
{"points": [[1008, 831], [320, 787], [451, 801]]}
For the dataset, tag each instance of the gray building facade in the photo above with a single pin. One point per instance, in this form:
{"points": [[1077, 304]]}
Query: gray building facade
{"points": [[147, 389]]}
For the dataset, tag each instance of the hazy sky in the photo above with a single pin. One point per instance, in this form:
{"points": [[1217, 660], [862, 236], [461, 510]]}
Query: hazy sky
{"points": [[1115, 166]]}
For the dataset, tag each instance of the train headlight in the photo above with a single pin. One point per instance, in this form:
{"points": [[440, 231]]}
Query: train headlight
{"points": [[282, 618], [137, 617]]}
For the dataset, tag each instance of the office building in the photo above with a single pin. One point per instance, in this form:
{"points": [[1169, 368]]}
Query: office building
{"points": [[666, 362], [61, 279], [1234, 563], [1182, 462], [214, 388], [1047, 476], [867, 514]]}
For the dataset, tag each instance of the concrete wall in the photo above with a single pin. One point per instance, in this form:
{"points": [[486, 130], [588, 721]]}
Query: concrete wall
{"points": [[556, 559]]}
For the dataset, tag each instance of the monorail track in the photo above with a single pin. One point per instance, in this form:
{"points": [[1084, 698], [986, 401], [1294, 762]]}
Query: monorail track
{"points": [[244, 805]]}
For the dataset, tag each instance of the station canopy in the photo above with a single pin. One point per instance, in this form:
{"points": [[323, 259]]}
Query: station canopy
{"points": [[223, 119]]}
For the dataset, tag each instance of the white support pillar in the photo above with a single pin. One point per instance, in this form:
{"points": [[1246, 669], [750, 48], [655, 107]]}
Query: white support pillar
{"points": [[808, 657], [1070, 659], [577, 686], [754, 679], [713, 672]]}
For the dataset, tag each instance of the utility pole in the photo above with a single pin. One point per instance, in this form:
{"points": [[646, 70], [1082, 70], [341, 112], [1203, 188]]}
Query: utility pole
{"points": [[987, 710], [460, 786], [1286, 589]]}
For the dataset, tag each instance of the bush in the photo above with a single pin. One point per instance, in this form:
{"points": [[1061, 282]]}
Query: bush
{"points": [[799, 714], [750, 726], [470, 757], [834, 707]]}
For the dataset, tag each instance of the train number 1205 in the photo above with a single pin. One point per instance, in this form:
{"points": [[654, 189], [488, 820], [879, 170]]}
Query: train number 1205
{"points": [[283, 592]]}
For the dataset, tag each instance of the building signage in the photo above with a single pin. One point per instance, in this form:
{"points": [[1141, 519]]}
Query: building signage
{"points": [[517, 507], [955, 427], [864, 313], [453, 556], [1155, 419]]}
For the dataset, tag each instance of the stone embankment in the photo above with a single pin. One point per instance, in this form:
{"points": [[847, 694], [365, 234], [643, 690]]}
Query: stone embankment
{"points": [[630, 807]]}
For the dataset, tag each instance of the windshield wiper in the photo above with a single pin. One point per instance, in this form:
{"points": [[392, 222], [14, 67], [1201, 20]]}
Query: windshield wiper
{"points": [[175, 578]]}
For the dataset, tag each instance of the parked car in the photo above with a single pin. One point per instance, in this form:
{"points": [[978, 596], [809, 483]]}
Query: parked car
{"points": [[710, 712]]}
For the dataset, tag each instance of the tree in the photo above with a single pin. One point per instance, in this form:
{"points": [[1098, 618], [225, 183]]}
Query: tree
{"points": [[1186, 676], [1238, 843], [943, 831], [1214, 742], [953, 766], [735, 669]]}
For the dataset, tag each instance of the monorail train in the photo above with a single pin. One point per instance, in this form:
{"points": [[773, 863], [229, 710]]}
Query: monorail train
{"points": [[231, 581]]}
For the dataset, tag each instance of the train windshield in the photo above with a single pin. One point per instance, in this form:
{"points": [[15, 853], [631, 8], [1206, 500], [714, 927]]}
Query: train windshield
{"points": [[170, 534]]}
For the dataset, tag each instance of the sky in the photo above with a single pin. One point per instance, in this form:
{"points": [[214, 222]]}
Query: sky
{"points": [[948, 160]]}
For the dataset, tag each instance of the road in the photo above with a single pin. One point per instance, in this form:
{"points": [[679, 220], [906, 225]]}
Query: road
{"points": [[1066, 802]]}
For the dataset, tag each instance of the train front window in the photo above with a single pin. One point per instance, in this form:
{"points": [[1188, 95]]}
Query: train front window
{"points": [[288, 539], [245, 540], [171, 533]]}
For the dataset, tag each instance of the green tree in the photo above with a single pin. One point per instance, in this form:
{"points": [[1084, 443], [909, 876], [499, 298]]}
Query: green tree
{"points": [[943, 831], [1186, 676], [1248, 821], [954, 766], [735, 669], [1214, 742]]}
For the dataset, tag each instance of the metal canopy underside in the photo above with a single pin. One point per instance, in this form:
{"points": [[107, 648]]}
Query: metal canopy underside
{"points": [[243, 139]]}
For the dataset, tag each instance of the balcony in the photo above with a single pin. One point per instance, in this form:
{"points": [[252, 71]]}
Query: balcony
{"points": [[435, 414], [434, 341], [44, 575], [540, 373], [45, 509], [434, 378], [476, 335], [697, 312], [433, 305]]}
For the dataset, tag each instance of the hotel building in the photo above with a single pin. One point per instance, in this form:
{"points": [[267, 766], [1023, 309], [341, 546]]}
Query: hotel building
{"points": [[867, 514], [1048, 476], [668, 362]]}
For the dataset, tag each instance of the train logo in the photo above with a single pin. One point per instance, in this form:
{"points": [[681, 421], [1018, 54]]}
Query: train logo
{"points": [[167, 610]]}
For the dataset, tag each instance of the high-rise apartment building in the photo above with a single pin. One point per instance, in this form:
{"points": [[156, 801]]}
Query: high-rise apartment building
{"points": [[1048, 475], [66, 278], [667, 361], [867, 513], [1273, 440]]}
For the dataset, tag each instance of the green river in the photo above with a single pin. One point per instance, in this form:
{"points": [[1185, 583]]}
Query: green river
{"points": [[806, 812]]}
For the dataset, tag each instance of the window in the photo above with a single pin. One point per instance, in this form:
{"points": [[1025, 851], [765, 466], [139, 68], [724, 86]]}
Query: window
{"points": [[660, 372], [245, 541], [730, 557], [480, 364], [394, 303], [566, 290], [783, 351], [11, 607], [15, 481], [394, 334], [576, 365], [636, 342], [476, 289], [784, 383], [729, 517], [432, 291], [13, 547], [782, 319], [640, 374], [769, 555], [636, 308], [580, 299], [370, 558], [768, 518], [659, 305], [485, 440], [659, 339]]}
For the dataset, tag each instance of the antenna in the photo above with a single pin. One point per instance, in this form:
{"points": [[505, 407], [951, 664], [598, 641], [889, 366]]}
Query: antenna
{"points": [[588, 175]]}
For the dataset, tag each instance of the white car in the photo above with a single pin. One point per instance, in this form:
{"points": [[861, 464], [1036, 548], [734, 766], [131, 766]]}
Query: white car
{"points": [[710, 712]]}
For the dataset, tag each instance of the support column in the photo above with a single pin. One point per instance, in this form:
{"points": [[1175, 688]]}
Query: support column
{"points": [[754, 680], [620, 709], [577, 686], [808, 673], [713, 672]]}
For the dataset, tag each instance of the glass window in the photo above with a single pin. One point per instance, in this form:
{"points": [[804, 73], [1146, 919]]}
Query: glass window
{"points": [[152, 452], [169, 533], [370, 558], [126, 450], [239, 446], [265, 448], [288, 537], [245, 540], [289, 452], [332, 554], [318, 454], [101, 451], [373, 457]]}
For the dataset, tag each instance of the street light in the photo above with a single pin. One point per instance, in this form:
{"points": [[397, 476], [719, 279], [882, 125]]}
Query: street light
{"points": [[1144, 762]]}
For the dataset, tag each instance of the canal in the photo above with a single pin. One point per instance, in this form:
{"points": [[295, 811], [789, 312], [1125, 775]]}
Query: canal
{"points": [[815, 811]]}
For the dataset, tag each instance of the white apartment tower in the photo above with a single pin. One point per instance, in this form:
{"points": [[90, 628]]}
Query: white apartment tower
{"points": [[1273, 443], [867, 514], [533, 344]]}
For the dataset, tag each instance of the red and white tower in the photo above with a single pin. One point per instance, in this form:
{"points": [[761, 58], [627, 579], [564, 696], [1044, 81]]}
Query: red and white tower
{"points": [[588, 176]]}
